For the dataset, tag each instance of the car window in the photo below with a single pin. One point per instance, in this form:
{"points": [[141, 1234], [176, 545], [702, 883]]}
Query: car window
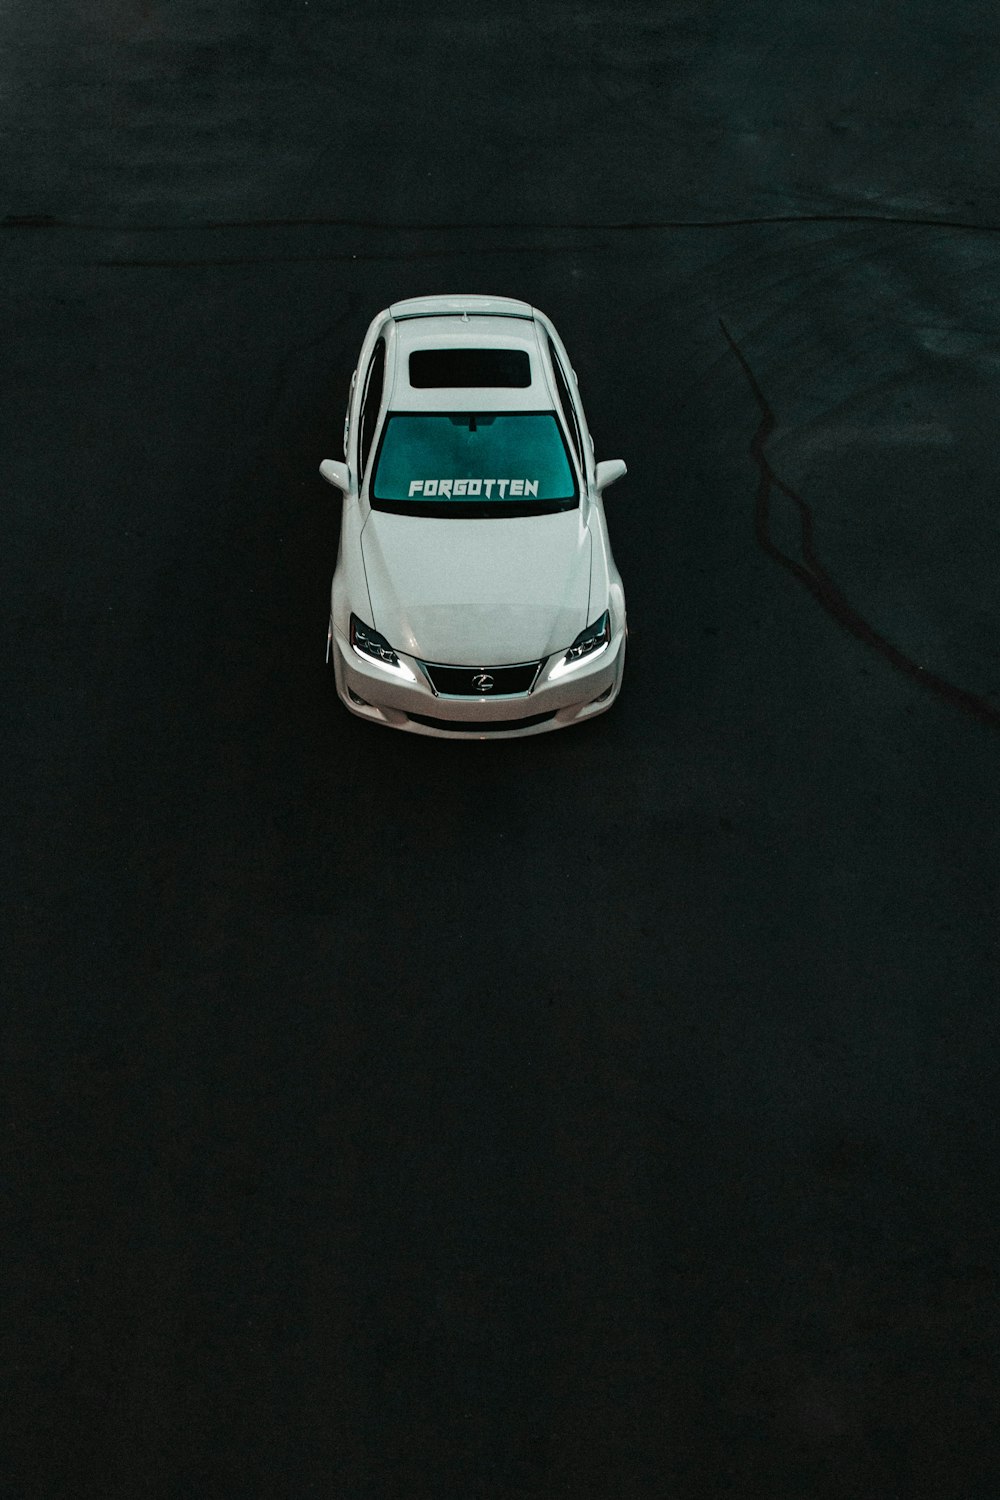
{"points": [[567, 405], [463, 368], [473, 463], [371, 401]]}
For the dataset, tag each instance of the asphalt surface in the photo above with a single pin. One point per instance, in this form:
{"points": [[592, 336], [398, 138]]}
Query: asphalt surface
{"points": [[606, 1114]]}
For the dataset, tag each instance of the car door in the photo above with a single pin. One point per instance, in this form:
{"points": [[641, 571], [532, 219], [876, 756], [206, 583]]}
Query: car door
{"points": [[371, 405], [574, 426]]}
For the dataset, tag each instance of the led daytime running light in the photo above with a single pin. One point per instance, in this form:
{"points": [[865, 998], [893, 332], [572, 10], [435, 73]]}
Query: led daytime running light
{"points": [[373, 647], [590, 643]]}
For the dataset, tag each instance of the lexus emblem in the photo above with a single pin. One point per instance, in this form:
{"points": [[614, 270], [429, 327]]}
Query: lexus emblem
{"points": [[482, 682]]}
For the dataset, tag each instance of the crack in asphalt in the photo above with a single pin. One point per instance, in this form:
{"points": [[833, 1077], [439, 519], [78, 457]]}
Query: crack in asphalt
{"points": [[174, 263], [813, 575], [47, 221]]}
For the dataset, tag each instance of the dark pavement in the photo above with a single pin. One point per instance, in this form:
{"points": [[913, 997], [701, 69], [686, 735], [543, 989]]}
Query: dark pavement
{"points": [[611, 1114]]}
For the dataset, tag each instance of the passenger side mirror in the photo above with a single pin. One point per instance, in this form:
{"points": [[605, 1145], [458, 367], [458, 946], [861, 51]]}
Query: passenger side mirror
{"points": [[610, 470], [337, 474]]}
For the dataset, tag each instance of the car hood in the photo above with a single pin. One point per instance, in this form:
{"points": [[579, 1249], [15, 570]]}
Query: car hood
{"points": [[478, 592]]}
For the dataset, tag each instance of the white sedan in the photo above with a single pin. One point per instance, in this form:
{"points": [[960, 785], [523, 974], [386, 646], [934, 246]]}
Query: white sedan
{"points": [[475, 592]]}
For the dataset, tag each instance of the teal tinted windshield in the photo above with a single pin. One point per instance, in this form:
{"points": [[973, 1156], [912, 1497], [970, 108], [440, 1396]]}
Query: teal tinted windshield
{"points": [[502, 460]]}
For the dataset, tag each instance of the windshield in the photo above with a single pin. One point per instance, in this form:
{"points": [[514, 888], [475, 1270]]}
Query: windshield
{"points": [[473, 464]]}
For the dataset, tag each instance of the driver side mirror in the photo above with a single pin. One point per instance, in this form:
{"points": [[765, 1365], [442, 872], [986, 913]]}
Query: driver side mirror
{"points": [[610, 470], [337, 474]]}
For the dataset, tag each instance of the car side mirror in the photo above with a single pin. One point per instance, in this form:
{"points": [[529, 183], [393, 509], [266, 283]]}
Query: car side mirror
{"points": [[610, 470], [337, 474]]}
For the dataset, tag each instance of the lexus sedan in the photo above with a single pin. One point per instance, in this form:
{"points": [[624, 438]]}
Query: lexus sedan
{"points": [[475, 593]]}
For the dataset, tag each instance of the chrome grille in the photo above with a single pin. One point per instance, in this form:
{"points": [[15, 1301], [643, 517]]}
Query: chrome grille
{"points": [[493, 682]]}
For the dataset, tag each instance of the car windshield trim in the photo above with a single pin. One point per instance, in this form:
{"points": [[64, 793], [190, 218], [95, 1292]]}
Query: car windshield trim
{"points": [[554, 467]]}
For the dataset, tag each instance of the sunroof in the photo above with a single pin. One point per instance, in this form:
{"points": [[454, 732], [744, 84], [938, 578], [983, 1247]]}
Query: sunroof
{"points": [[469, 367]]}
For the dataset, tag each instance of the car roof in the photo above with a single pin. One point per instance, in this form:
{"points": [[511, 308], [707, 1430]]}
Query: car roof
{"points": [[474, 322], [422, 307]]}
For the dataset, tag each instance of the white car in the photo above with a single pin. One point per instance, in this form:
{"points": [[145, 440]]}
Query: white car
{"points": [[475, 592]]}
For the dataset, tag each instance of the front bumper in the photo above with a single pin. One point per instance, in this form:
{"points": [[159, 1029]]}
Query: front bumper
{"points": [[371, 693]]}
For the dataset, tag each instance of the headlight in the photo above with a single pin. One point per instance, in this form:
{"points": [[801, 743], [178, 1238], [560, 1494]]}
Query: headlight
{"points": [[588, 644], [374, 647]]}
